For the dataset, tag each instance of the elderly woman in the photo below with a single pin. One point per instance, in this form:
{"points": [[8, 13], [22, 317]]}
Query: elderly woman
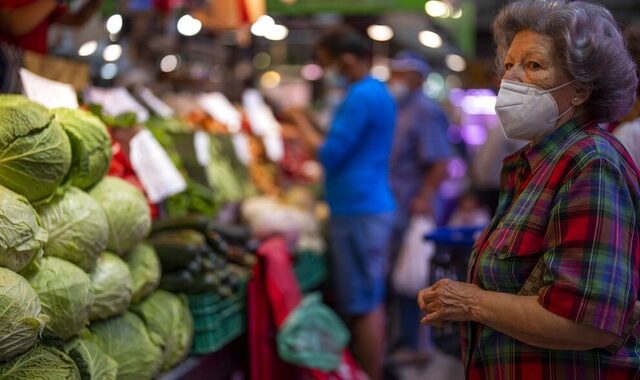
{"points": [[554, 280]]}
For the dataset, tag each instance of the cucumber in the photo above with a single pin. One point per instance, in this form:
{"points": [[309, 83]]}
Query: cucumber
{"points": [[193, 222]]}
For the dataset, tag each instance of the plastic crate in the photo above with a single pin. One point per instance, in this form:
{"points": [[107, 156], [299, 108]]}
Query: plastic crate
{"points": [[217, 321], [310, 269]]}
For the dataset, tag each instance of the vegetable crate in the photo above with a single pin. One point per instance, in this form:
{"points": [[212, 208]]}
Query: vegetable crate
{"points": [[310, 269], [217, 320]]}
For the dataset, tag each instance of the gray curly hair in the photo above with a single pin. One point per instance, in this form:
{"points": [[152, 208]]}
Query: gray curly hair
{"points": [[587, 41]]}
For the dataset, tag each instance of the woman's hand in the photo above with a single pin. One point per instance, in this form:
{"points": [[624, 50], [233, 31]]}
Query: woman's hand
{"points": [[448, 301]]}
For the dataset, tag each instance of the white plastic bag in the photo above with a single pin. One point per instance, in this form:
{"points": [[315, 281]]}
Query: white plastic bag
{"points": [[412, 270]]}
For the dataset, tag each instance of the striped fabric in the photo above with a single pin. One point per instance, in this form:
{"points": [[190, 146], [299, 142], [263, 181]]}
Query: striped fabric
{"points": [[571, 203]]}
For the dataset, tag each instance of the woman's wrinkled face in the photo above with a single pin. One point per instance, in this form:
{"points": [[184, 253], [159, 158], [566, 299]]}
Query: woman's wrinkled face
{"points": [[532, 59]]}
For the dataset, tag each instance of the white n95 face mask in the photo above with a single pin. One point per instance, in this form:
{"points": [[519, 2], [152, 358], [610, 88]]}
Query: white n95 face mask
{"points": [[527, 112]]}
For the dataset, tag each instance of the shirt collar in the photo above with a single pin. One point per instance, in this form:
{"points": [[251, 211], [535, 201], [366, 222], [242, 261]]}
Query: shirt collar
{"points": [[537, 152]]}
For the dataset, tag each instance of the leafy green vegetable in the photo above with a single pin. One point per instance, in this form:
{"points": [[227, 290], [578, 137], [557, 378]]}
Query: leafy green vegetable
{"points": [[168, 316], [127, 212], [40, 363], [126, 340], [35, 153], [91, 361], [145, 270], [20, 318], [65, 295], [77, 226], [90, 146], [21, 234], [112, 287], [125, 120]]}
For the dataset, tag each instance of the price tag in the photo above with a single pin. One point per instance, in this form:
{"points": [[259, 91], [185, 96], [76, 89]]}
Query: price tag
{"points": [[154, 168], [156, 104], [241, 147], [220, 108], [49, 93], [264, 124], [202, 145], [116, 101]]}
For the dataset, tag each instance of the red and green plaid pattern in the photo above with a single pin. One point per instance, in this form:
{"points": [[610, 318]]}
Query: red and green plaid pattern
{"points": [[572, 199]]}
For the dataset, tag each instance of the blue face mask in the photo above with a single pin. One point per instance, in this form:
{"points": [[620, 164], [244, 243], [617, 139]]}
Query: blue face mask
{"points": [[333, 78]]}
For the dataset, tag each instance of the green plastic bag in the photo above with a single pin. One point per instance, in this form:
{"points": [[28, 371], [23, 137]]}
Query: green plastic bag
{"points": [[313, 336]]}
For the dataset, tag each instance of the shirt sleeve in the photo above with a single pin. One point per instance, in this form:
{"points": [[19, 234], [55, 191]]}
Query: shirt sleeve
{"points": [[348, 126], [592, 257], [430, 130]]}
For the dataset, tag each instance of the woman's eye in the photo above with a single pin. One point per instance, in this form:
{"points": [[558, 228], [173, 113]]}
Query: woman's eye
{"points": [[534, 65], [508, 66]]}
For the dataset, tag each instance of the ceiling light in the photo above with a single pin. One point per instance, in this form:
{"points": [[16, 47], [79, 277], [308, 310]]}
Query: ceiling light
{"points": [[189, 26], [380, 32], [114, 24], [262, 26], [277, 33], [457, 14], [455, 62], [169, 63], [88, 48], [270, 79], [435, 8], [112, 53], [430, 39], [109, 71]]}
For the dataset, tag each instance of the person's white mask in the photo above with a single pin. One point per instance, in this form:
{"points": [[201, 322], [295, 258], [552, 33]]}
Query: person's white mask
{"points": [[527, 112]]}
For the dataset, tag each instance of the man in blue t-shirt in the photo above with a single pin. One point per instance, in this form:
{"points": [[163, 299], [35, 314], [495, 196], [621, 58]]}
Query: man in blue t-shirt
{"points": [[355, 156]]}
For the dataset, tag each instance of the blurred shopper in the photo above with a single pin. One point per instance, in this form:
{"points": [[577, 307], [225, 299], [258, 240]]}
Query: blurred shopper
{"points": [[419, 160], [25, 23], [355, 157], [554, 280], [628, 132]]}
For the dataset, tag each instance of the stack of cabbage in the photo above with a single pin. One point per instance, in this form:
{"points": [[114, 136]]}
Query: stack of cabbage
{"points": [[72, 256]]}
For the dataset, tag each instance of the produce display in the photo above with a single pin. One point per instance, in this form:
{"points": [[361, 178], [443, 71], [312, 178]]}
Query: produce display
{"points": [[167, 316], [21, 233], [90, 146], [112, 287], [34, 150], [91, 361], [65, 295], [77, 226], [126, 340], [90, 288], [127, 213], [41, 362], [21, 321], [198, 256], [145, 271]]}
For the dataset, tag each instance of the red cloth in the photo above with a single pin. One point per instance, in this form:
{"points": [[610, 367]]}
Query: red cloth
{"points": [[36, 39], [273, 293]]}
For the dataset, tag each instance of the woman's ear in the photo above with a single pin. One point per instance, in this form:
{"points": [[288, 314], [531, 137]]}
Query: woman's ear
{"points": [[582, 94]]}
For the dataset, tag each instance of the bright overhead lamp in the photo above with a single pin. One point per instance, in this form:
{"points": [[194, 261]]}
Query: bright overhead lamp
{"points": [[380, 32], [430, 39]]}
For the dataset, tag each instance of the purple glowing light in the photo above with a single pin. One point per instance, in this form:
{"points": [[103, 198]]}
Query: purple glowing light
{"points": [[474, 134]]}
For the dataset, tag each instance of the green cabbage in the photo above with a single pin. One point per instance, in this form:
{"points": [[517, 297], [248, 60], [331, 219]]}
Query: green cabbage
{"points": [[91, 361], [127, 341], [112, 287], [90, 146], [145, 270], [77, 226], [168, 316], [40, 363], [20, 318], [21, 234], [35, 153], [65, 295], [127, 212]]}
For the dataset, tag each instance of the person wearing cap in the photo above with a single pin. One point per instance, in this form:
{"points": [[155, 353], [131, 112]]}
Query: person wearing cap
{"points": [[418, 167]]}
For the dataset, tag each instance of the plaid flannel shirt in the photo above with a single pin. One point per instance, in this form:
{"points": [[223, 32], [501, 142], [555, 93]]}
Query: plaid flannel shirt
{"points": [[572, 199]]}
